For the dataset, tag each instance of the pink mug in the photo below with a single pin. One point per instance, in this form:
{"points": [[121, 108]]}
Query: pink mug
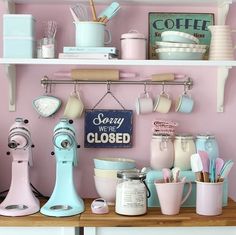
{"points": [[171, 196]]}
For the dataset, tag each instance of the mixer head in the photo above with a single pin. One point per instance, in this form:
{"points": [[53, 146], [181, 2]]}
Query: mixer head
{"points": [[64, 140], [19, 135]]}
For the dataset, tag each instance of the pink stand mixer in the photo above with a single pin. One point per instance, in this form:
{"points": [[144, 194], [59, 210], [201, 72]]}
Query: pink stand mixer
{"points": [[20, 199]]}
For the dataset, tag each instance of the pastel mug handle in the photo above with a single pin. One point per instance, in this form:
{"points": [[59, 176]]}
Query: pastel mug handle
{"points": [[188, 193], [107, 31]]}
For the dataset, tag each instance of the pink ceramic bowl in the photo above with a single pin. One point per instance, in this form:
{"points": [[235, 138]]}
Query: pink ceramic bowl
{"points": [[106, 188]]}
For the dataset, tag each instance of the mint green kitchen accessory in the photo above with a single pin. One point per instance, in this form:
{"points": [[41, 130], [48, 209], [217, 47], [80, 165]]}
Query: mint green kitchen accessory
{"points": [[109, 12]]}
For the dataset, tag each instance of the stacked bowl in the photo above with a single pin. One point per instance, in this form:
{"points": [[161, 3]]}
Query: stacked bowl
{"points": [[176, 45], [105, 175]]}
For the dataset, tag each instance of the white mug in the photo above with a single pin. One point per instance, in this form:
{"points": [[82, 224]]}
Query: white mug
{"points": [[74, 106], [91, 34], [144, 104], [184, 104]]}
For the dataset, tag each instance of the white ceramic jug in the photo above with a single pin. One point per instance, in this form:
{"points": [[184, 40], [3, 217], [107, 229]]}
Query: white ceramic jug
{"points": [[221, 47]]}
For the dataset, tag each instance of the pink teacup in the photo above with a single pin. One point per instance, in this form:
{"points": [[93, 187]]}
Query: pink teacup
{"points": [[144, 104]]}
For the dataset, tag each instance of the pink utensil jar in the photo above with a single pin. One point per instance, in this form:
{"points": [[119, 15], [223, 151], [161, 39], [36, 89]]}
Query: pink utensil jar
{"points": [[209, 198], [133, 46], [171, 196]]}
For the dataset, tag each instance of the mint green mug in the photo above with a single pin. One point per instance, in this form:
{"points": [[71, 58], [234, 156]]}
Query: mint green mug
{"points": [[91, 34]]}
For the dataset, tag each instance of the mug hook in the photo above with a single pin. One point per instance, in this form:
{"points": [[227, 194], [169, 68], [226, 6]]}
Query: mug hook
{"points": [[145, 87], [163, 88], [108, 87], [185, 89]]}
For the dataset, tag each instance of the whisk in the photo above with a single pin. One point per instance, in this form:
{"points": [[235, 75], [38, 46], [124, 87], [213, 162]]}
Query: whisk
{"points": [[79, 12], [50, 29]]}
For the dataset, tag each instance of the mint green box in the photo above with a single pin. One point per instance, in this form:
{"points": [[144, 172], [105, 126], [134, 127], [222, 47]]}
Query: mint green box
{"points": [[18, 25], [18, 47], [153, 201]]}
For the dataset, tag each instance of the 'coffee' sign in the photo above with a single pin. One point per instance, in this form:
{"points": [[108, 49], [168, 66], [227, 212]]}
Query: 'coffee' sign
{"points": [[108, 128]]}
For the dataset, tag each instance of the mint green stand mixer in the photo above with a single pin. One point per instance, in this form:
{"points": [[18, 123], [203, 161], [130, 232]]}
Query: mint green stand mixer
{"points": [[64, 200]]}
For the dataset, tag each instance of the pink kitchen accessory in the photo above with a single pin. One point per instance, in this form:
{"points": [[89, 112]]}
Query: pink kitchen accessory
{"points": [[99, 206], [209, 198], [171, 196]]}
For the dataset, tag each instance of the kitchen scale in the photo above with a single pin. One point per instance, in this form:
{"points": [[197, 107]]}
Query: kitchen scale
{"points": [[64, 200], [20, 199]]}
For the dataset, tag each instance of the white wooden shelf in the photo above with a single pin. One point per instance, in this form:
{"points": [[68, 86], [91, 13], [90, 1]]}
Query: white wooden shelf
{"points": [[206, 63]]}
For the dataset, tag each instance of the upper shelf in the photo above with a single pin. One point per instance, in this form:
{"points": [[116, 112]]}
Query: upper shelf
{"points": [[119, 62], [130, 2]]}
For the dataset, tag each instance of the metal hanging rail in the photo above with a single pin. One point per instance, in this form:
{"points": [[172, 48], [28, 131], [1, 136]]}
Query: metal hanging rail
{"points": [[188, 82]]}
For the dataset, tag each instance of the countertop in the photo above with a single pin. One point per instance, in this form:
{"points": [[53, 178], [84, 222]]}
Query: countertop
{"points": [[187, 217]]}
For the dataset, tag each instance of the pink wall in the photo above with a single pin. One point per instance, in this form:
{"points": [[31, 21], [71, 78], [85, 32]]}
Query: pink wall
{"points": [[203, 119]]}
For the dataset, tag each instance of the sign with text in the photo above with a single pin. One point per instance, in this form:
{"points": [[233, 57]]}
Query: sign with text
{"points": [[193, 23], [108, 128]]}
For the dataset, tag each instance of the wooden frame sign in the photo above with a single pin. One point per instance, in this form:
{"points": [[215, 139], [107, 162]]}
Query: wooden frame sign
{"points": [[192, 23], [108, 128]]}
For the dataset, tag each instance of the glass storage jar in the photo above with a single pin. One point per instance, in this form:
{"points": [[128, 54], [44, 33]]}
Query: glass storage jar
{"points": [[184, 147], [162, 152], [131, 193]]}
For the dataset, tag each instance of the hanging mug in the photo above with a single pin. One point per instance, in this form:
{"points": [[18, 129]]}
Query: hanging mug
{"points": [[185, 103]]}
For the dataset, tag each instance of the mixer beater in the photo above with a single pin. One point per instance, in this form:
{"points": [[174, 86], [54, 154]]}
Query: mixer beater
{"points": [[20, 199]]}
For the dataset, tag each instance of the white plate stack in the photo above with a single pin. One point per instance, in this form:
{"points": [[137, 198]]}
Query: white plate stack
{"points": [[177, 45]]}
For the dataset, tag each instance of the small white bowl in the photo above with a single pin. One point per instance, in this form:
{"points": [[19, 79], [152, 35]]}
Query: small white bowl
{"points": [[177, 36], [179, 45]]}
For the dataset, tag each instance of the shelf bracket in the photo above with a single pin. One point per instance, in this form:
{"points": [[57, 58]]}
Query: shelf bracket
{"points": [[11, 76], [223, 9], [222, 76], [10, 7]]}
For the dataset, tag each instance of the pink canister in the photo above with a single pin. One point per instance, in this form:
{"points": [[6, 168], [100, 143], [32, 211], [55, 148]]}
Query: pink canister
{"points": [[162, 152], [133, 46]]}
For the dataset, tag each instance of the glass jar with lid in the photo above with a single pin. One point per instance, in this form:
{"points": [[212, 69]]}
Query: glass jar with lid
{"points": [[131, 193], [162, 152], [207, 143], [184, 147]]}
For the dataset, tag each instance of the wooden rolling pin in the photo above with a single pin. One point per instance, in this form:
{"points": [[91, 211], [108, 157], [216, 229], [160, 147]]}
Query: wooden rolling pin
{"points": [[165, 77], [95, 74]]}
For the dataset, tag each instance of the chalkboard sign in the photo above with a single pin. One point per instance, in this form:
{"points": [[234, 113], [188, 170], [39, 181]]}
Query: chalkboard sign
{"points": [[192, 23], [108, 128]]}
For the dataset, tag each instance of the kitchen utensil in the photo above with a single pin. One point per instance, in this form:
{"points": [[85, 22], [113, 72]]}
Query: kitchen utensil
{"points": [[226, 169], [219, 165], [80, 11], [196, 165], [20, 199], [75, 17], [205, 165], [94, 14], [167, 176], [212, 170], [175, 173], [64, 200], [177, 36], [109, 12], [46, 105], [50, 29], [95, 74]]}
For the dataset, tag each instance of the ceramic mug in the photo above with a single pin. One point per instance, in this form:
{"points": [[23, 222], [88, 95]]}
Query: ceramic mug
{"points": [[144, 104], [184, 104], [209, 198], [91, 34], [162, 103], [171, 196], [74, 106]]}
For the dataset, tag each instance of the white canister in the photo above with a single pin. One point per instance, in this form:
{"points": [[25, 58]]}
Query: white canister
{"points": [[162, 152], [184, 147], [133, 46], [131, 193]]}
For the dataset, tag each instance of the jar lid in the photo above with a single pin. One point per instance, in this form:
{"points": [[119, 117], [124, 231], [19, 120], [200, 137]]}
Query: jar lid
{"points": [[160, 136], [205, 136], [133, 34], [131, 175], [185, 136]]}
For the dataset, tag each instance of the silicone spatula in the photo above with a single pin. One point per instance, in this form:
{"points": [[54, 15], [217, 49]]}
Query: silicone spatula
{"points": [[205, 165], [166, 175], [219, 165], [196, 165], [226, 169]]}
